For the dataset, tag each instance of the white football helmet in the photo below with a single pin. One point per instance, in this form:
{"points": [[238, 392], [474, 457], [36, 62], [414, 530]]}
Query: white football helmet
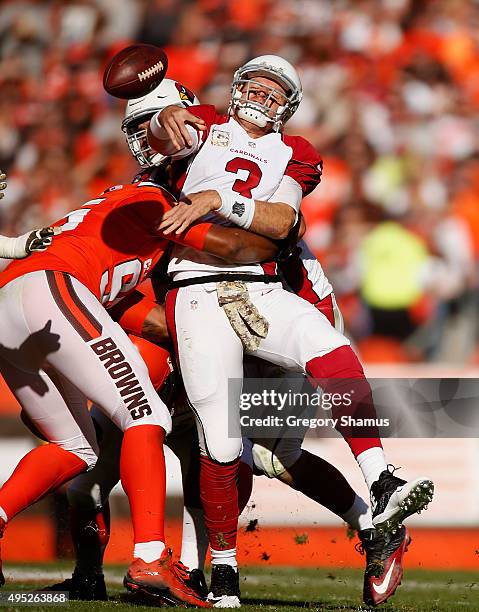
{"points": [[140, 110], [277, 69]]}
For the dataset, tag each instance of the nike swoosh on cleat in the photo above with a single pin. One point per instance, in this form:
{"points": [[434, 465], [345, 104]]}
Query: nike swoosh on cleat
{"points": [[383, 587]]}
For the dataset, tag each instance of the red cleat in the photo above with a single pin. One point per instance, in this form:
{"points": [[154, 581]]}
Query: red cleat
{"points": [[384, 571], [164, 580]]}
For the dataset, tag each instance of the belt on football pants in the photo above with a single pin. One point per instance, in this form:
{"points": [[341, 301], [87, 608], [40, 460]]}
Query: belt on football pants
{"points": [[218, 278]]}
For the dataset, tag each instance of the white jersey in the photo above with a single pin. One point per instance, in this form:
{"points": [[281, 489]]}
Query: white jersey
{"points": [[228, 158]]}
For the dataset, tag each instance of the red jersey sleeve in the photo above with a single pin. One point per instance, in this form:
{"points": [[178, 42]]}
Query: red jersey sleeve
{"points": [[305, 165], [208, 113]]}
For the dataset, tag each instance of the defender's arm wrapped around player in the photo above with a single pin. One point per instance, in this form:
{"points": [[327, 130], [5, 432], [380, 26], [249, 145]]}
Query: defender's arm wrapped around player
{"points": [[231, 244]]}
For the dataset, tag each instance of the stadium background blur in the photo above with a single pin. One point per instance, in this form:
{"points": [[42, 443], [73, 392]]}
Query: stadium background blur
{"points": [[391, 94]]}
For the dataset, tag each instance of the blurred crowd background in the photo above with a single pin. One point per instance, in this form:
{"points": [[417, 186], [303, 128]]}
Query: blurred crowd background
{"points": [[391, 100]]}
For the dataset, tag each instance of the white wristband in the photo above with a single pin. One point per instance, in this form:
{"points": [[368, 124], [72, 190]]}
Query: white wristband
{"points": [[14, 248], [157, 129], [236, 208]]}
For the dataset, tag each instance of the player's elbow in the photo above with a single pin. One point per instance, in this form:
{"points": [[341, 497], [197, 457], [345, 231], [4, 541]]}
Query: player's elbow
{"points": [[281, 232], [283, 223]]}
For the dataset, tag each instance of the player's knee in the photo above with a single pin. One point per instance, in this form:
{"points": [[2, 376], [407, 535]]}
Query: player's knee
{"points": [[89, 457], [340, 362], [317, 337], [221, 453], [274, 464], [152, 411], [85, 453]]}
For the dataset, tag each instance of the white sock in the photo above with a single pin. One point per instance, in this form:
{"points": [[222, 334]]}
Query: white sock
{"points": [[3, 514], [359, 515], [194, 543], [149, 551], [372, 462], [224, 557]]}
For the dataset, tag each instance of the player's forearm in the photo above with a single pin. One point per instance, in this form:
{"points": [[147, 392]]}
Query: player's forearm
{"points": [[14, 248], [273, 220], [239, 246], [270, 219], [231, 244]]}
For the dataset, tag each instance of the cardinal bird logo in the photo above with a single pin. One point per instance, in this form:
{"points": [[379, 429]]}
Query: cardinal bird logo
{"points": [[185, 94]]}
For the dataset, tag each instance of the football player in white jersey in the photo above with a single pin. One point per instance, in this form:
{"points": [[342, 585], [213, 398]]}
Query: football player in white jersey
{"points": [[241, 169], [283, 459], [21, 246]]}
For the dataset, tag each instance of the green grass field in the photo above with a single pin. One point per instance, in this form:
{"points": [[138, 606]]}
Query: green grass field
{"points": [[283, 590]]}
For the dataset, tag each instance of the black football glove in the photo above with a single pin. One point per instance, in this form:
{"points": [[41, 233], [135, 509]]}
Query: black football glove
{"points": [[39, 240]]}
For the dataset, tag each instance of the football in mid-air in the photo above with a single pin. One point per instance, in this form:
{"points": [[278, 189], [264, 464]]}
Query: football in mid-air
{"points": [[134, 71]]}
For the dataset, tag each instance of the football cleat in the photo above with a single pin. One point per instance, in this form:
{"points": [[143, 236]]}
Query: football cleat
{"points": [[197, 582], [384, 571], [393, 500], [83, 587], [163, 579], [2, 530], [224, 589]]}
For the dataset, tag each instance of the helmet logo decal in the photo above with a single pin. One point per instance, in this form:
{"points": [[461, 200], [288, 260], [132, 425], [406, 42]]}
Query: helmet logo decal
{"points": [[186, 95]]}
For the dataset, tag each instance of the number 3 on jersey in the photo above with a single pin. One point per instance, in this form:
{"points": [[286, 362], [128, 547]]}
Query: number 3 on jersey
{"points": [[244, 186]]}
